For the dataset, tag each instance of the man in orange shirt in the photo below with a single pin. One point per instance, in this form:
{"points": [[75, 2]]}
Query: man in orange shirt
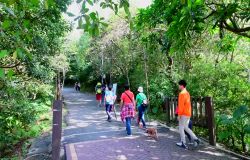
{"points": [[184, 114]]}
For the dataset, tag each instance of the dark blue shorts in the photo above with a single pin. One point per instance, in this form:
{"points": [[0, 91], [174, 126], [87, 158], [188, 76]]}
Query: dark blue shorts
{"points": [[108, 107]]}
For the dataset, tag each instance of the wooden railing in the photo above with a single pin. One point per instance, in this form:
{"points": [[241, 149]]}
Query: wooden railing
{"points": [[57, 121], [202, 114]]}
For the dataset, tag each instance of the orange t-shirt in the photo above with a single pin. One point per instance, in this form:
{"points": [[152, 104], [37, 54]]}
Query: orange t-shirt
{"points": [[184, 104], [125, 97]]}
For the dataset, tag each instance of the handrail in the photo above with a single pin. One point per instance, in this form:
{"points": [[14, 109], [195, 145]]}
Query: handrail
{"points": [[57, 121], [202, 114]]}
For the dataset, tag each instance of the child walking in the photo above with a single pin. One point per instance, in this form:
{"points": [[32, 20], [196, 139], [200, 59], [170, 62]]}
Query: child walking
{"points": [[109, 101]]}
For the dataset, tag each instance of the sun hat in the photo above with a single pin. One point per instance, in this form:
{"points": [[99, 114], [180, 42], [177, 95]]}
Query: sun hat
{"points": [[140, 89]]}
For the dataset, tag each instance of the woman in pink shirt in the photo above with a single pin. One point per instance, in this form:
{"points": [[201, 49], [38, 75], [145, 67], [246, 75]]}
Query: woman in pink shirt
{"points": [[127, 108]]}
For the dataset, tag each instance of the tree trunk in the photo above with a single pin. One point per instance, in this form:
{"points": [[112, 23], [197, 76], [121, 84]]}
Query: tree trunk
{"points": [[127, 76], [146, 73], [58, 92], [63, 79], [243, 142], [233, 141], [232, 57]]}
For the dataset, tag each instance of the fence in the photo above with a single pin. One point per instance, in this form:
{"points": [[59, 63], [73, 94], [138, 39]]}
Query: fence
{"points": [[202, 114]]}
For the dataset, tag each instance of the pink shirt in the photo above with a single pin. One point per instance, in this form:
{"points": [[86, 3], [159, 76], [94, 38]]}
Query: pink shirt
{"points": [[126, 99]]}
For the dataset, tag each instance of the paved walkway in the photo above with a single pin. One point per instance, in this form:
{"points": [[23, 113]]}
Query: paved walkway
{"points": [[88, 136]]}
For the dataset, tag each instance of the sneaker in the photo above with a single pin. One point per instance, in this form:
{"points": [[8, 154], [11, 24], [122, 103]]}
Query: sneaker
{"points": [[182, 145], [196, 142]]}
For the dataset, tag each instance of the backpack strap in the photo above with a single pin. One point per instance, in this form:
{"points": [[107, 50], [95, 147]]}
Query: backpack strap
{"points": [[129, 97]]}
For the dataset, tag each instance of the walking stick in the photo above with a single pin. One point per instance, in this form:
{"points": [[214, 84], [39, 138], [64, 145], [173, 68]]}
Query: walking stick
{"points": [[115, 112], [147, 115]]}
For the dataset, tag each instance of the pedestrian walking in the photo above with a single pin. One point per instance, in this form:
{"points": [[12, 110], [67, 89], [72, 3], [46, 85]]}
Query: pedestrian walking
{"points": [[98, 90], [184, 114], [79, 86], [127, 108], [141, 104], [109, 101], [76, 86], [103, 92]]}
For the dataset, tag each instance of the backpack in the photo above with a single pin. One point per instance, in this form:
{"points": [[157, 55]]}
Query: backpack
{"points": [[144, 102], [98, 90], [109, 97]]}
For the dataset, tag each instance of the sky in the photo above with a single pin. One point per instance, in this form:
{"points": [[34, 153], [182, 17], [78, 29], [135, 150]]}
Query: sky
{"points": [[106, 13]]}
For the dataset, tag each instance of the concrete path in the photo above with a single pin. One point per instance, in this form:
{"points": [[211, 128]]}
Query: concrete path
{"points": [[88, 136]]}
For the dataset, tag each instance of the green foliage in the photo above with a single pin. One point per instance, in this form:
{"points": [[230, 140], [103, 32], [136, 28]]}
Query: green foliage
{"points": [[235, 127], [30, 36], [91, 22], [226, 83], [26, 102]]}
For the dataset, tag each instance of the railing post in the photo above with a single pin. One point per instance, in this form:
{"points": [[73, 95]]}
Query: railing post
{"points": [[58, 87], [167, 109], [210, 120], [56, 129]]}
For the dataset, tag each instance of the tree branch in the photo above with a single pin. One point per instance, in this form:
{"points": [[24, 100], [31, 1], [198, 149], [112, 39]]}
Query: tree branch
{"points": [[13, 66], [236, 30], [117, 46], [209, 15]]}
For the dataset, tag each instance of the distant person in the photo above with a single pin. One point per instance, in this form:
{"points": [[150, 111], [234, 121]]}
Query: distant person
{"points": [[98, 90], [184, 114], [103, 92], [127, 108], [141, 104], [76, 86], [109, 101], [79, 86]]}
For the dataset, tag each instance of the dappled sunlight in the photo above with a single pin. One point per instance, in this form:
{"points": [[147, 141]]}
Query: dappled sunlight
{"points": [[151, 140], [76, 103], [155, 158], [170, 136], [118, 151], [212, 153], [121, 157]]}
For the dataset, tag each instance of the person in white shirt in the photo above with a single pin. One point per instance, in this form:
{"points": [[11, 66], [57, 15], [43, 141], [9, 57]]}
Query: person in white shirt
{"points": [[109, 101]]}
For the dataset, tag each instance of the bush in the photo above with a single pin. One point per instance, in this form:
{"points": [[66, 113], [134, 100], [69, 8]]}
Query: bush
{"points": [[234, 129], [20, 108]]}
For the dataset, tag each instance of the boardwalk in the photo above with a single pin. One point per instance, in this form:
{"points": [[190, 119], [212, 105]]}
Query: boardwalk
{"points": [[88, 136]]}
